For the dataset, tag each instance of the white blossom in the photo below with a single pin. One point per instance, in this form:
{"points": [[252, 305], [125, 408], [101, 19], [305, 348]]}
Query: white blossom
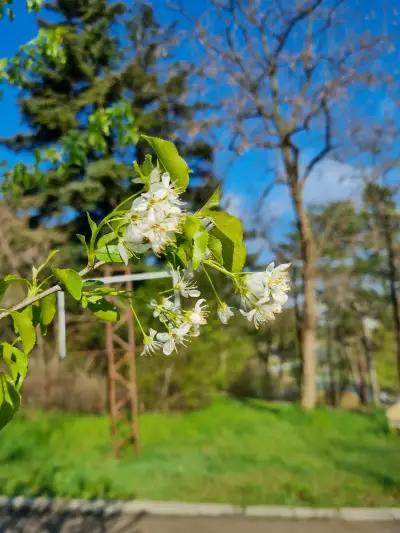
{"points": [[264, 293], [166, 310], [150, 343], [278, 282], [224, 312], [172, 337], [197, 316], [261, 314], [155, 216], [195, 331], [186, 285], [273, 284]]}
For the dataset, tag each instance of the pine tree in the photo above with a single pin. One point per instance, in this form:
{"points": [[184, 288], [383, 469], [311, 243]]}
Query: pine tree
{"points": [[110, 53]]}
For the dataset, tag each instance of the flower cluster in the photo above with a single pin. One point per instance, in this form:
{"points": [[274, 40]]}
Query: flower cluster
{"points": [[264, 293], [155, 216], [180, 325], [262, 296]]}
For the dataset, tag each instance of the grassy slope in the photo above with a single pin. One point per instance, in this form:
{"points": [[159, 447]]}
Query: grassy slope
{"points": [[253, 453]]}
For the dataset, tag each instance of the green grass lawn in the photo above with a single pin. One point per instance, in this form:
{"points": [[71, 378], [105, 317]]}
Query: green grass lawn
{"points": [[245, 453]]}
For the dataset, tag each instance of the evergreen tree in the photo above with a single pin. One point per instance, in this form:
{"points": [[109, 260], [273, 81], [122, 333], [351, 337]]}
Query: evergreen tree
{"points": [[111, 54]]}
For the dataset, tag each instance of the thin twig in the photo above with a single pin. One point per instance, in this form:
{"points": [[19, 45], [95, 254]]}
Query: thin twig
{"points": [[51, 290]]}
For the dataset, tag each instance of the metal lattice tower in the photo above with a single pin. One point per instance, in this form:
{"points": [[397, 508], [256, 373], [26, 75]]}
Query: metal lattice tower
{"points": [[122, 383], [120, 349]]}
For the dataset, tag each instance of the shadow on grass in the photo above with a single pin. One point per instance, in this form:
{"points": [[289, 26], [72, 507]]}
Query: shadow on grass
{"points": [[260, 405]]}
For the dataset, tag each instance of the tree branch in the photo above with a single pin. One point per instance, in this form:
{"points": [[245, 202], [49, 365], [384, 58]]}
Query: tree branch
{"points": [[51, 290], [298, 17], [327, 144]]}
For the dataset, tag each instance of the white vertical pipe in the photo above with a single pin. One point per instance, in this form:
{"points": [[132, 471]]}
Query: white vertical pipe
{"points": [[175, 280], [61, 330]]}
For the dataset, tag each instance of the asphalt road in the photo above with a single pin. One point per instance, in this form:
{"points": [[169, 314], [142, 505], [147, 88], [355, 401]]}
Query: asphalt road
{"points": [[28, 522], [254, 525]]}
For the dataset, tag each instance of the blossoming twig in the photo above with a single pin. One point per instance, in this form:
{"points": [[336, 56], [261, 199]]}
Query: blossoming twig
{"points": [[51, 290]]}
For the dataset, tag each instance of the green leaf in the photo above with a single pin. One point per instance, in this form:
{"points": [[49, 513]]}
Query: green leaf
{"points": [[110, 254], [227, 224], [139, 173], [92, 224], [47, 309], [106, 239], [181, 254], [103, 309], [200, 241], [213, 201], [25, 329], [215, 247], [82, 239], [9, 400], [192, 226], [144, 170], [10, 278], [3, 287], [50, 256], [71, 281], [17, 362], [170, 159], [228, 229], [147, 165]]}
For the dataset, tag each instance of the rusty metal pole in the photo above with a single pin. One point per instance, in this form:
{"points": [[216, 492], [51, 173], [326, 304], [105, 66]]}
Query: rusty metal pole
{"points": [[122, 383]]}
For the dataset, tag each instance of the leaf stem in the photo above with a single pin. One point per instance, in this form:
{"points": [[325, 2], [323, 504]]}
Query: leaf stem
{"points": [[138, 321], [212, 284], [215, 266]]}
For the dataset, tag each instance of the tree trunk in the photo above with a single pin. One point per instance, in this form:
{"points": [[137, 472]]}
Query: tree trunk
{"points": [[362, 367], [308, 253], [329, 357], [297, 321], [394, 300], [372, 377]]}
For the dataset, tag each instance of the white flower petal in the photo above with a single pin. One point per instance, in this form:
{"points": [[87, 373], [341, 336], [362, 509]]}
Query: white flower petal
{"points": [[224, 313], [123, 252], [163, 337], [168, 347]]}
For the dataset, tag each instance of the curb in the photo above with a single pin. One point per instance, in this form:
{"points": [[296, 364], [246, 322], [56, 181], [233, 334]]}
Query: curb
{"points": [[156, 508]]}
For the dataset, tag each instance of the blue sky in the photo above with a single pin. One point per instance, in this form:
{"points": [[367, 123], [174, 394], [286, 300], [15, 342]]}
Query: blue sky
{"points": [[243, 177]]}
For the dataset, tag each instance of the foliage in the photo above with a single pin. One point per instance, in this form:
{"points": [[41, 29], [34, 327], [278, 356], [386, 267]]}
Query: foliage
{"points": [[6, 7], [238, 452], [155, 221], [87, 84], [151, 219], [201, 372]]}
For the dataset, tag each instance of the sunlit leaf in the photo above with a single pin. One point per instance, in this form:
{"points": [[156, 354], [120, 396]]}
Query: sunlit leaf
{"points": [[16, 361], [47, 309], [24, 327], [103, 309], [200, 241], [213, 201], [9, 400], [110, 254], [228, 229], [170, 159], [71, 281]]}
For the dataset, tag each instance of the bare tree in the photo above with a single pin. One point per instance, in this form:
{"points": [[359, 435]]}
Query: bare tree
{"points": [[283, 72]]}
